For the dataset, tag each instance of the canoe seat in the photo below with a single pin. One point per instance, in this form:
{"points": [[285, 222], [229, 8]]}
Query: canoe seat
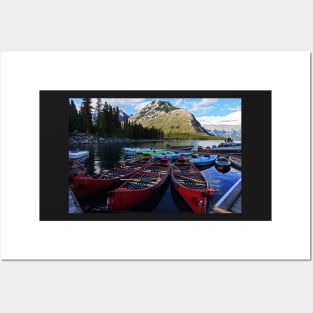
{"points": [[138, 185], [133, 186], [190, 184], [193, 186]]}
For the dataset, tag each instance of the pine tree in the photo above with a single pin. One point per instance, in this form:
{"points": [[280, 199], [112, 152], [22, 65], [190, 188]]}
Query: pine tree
{"points": [[116, 121], [98, 123], [86, 115], [105, 120], [73, 117]]}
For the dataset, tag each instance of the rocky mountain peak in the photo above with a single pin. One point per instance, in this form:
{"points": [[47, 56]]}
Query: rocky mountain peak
{"points": [[172, 120], [156, 107], [157, 102]]}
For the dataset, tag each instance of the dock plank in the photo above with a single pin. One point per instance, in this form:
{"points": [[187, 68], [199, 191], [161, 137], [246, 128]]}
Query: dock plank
{"points": [[231, 201], [73, 204]]}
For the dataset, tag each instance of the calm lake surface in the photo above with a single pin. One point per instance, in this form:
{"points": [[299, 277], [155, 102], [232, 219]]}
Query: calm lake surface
{"points": [[107, 155]]}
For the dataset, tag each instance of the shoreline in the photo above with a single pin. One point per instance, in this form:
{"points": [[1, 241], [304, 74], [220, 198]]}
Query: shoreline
{"points": [[85, 139], [90, 139]]}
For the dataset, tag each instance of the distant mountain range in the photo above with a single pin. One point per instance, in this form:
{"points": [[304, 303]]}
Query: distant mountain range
{"points": [[122, 117], [226, 126], [232, 131]]}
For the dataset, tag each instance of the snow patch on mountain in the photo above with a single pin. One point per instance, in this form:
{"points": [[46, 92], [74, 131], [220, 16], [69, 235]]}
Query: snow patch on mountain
{"points": [[123, 116]]}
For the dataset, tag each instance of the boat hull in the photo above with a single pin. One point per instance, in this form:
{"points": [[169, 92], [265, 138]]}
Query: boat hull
{"points": [[173, 155], [222, 162], [222, 169], [196, 200], [124, 199], [222, 151], [158, 152], [146, 151], [224, 148], [84, 186], [188, 181], [204, 161], [74, 155], [236, 162], [138, 188]]}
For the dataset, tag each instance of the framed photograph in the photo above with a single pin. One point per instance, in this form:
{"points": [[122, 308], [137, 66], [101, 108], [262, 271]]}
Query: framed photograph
{"points": [[156, 155], [73, 118]]}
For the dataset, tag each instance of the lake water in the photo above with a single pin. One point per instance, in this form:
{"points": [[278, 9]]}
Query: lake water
{"points": [[107, 155]]}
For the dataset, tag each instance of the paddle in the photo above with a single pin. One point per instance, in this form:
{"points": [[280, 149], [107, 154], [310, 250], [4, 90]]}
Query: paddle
{"points": [[209, 191], [104, 172], [151, 171], [148, 179], [199, 182], [195, 180]]}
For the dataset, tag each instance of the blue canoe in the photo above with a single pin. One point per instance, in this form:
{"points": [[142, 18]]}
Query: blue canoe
{"points": [[78, 154], [172, 155], [204, 161]]}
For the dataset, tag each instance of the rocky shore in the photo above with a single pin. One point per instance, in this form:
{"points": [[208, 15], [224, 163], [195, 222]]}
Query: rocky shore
{"points": [[87, 139]]}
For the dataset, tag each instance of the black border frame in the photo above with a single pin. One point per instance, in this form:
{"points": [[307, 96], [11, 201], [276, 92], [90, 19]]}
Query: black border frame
{"points": [[256, 151]]}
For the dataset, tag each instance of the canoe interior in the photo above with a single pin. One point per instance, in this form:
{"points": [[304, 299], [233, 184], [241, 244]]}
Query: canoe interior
{"points": [[139, 186], [84, 186]]}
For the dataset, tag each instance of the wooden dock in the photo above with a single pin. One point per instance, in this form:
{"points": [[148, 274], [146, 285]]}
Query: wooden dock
{"points": [[231, 201], [73, 204]]}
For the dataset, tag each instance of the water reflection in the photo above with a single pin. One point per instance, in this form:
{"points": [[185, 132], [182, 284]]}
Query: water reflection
{"points": [[106, 156], [222, 169]]}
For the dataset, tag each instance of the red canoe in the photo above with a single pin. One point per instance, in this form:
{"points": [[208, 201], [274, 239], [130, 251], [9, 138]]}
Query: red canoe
{"points": [[139, 186], [84, 185], [191, 185]]}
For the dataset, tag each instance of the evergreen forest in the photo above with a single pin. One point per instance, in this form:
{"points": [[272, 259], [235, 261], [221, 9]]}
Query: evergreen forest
{"points": [[105, 121]]}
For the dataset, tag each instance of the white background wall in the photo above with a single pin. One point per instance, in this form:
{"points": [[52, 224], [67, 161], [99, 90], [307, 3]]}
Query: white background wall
{"points": [[61, 286]]}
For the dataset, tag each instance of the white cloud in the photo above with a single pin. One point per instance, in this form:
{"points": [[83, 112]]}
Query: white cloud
{"points": [[129, 105], [233, 118], [196, 106], [177, 102], [238, 108], [208, 100], [199, 107], [139, 106]]}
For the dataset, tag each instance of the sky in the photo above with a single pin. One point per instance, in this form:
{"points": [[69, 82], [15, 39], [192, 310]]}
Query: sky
{"points": [[200, 107]]}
